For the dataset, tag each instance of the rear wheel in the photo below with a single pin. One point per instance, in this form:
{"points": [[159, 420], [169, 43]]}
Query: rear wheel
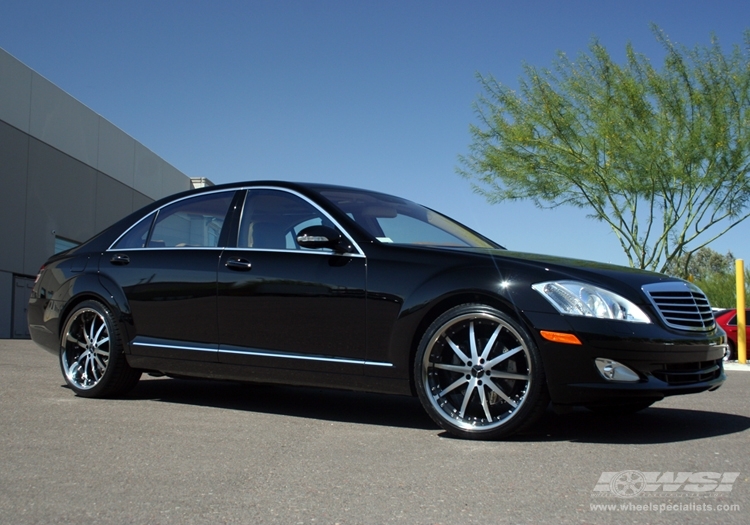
{"points": [[479, 374], [91, 353]]}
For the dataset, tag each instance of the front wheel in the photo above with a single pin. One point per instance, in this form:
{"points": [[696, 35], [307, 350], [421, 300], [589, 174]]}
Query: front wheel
{"points": [[479, 374], [91, 356], [731, 354]]}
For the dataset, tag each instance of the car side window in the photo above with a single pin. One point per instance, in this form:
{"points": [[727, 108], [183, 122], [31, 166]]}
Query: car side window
{"points": [[733, 320], [192, 222], [271, 220], [137, 236]]}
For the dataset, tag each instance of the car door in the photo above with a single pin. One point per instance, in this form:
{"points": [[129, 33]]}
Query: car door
{"points": [[732, 328], [283, 306], [166, 266]]}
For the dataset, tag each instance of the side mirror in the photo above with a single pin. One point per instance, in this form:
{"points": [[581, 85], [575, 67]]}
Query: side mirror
{"points": [[315, 237]]}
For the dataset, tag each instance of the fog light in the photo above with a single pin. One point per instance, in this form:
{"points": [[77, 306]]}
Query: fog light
{"points": [[614, 371]]}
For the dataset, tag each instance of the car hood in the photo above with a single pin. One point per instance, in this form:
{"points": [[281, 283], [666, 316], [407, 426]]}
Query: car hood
{"points": [[556, 268]]}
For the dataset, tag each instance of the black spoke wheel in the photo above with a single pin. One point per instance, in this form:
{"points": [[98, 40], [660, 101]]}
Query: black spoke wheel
{"points": [[91, 355], [479, 374]]}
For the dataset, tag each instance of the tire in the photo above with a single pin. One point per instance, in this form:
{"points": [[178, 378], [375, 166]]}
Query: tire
{"points": [[91, 353], [731, 355], [621, 409], [479, 375]]}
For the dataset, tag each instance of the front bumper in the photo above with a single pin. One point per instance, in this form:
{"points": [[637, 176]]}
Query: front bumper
{"points": [[667, 363]]}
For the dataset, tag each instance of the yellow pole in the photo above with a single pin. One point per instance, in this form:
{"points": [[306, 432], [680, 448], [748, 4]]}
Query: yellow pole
{"points": [[741, 333]]}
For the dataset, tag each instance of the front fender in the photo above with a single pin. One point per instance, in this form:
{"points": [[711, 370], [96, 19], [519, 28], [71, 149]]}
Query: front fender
{"points": [[426, 301]]}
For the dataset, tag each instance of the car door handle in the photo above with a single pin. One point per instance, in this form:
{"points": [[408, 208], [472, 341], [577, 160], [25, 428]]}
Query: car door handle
{"points": [[120, 259], [239, 264]]}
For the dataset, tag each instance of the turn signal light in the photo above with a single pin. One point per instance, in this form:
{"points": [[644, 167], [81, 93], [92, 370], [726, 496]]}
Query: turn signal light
{"points": [[560, 337]]}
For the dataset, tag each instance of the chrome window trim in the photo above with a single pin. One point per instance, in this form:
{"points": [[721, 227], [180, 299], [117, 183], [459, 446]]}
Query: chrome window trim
{"points": [[327, 253], [157, 210], [163, 248], [247, 189], [136, 223]]}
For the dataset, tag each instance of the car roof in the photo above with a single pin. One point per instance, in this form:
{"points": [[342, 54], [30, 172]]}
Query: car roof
{"points": [[106, 236], [316, 186]]}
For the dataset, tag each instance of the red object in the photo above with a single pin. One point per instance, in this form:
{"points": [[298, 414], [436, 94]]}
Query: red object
{"points": [[727, 319]]}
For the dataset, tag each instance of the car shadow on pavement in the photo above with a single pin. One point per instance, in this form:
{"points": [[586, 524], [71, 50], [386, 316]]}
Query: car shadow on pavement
{"points": [[306, 402], [651, 426]]}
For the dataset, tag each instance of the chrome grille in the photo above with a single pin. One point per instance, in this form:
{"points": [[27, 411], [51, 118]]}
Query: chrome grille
{"points": [[681, 305]]}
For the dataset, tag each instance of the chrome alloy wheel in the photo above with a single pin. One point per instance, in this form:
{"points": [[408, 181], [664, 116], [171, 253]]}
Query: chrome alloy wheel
{"points": [[85, 348], [477, 371]]}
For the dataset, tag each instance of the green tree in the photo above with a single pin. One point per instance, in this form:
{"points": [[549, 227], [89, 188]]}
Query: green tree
{"points": [[662, 156], [701, 264], [721, 288], [714, 273]]}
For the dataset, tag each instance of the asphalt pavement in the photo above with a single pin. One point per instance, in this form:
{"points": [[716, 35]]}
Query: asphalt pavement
{"points": [[205, 452]]}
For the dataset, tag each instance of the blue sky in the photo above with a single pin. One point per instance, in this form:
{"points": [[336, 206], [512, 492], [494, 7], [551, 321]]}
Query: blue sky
{"points": [[376, 94]]}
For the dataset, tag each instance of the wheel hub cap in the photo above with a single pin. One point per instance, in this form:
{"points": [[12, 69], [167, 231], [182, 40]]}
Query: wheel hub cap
{"points": [[477, 371]]}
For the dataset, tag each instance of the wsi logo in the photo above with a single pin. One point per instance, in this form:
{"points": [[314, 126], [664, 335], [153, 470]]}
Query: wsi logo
{"points": [[631, 483]]}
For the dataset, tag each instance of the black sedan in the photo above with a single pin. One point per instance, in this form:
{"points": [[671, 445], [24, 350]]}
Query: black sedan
{"points": [[319, 285]]}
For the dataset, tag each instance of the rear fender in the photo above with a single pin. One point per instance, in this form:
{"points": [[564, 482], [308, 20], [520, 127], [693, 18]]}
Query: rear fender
{"points": [[92, 285]]}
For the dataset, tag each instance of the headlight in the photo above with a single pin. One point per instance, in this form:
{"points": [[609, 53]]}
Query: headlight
{"points": [[574, 298]]}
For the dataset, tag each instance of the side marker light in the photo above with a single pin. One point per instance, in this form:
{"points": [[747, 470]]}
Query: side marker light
{"points": [[560, 337]]}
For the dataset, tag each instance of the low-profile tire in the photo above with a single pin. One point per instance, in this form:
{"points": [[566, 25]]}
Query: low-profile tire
{"points": [[731, 354], [91, 353], [479, 375]]}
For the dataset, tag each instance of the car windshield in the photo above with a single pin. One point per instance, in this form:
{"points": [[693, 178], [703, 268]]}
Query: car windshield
{"points": [[394, 220]]}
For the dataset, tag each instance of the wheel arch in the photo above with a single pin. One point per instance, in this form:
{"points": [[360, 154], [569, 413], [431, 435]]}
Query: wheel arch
{"points": [[441, 375], [95, 287], [446, 303]]}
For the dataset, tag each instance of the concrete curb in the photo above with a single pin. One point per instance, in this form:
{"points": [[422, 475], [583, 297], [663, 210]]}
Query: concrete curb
{"points": [[737, 366]]}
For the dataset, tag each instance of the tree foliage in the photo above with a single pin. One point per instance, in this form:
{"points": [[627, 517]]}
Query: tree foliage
{"points": [[721, 288], [701, 264], [661, 155], [713, 272]]}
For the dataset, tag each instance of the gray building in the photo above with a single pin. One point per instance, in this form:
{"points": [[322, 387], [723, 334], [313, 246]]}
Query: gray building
{"points": [[65, 173]]}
